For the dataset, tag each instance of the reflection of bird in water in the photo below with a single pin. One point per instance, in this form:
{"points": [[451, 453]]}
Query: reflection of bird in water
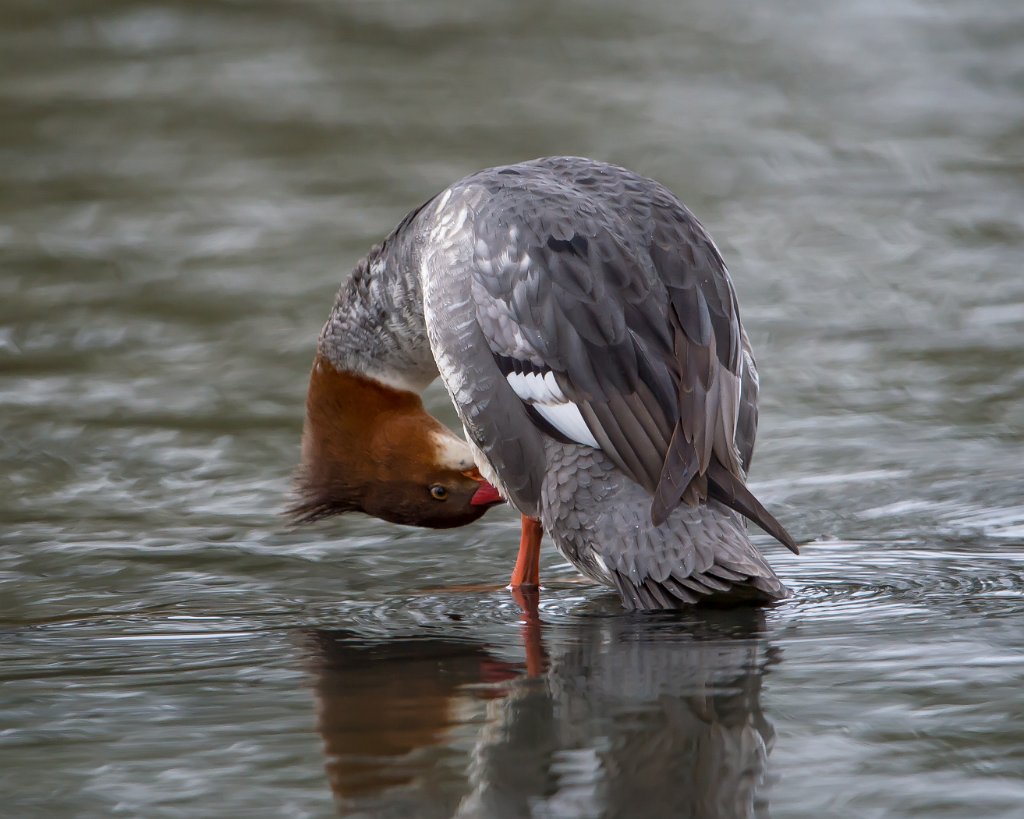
{"points": [[631, 718], [386, 711]]}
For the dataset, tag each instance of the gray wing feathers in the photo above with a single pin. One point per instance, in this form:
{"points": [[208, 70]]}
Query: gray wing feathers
{"points": [[614, 286], [584, 309], [706, 351]]}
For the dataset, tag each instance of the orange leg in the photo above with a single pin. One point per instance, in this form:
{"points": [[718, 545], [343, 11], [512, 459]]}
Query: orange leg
{"points": [[527, 571]]}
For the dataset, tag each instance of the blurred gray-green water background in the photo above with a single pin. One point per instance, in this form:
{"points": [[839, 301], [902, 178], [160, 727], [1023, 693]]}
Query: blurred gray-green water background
{"points": [[183, 185]]}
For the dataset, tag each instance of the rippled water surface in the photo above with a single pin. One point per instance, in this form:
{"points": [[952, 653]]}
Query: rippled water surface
{"points": [[182, 187]]}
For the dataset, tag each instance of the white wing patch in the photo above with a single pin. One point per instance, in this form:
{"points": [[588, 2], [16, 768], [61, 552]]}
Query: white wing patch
{"points": [[536, 388], [544, 395], [568, 420]]}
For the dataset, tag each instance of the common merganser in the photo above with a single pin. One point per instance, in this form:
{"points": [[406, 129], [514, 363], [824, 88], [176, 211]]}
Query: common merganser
{"points": [[586, 329]]}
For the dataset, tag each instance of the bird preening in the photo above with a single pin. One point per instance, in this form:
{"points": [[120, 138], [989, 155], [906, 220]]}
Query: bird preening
{"points": [[586, 329]]}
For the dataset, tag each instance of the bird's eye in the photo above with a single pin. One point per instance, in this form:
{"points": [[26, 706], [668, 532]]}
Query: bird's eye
{"points": [[438, 492]]}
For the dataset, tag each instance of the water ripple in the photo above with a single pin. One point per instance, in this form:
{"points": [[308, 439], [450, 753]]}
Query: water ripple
{"points": [[903, 586]]}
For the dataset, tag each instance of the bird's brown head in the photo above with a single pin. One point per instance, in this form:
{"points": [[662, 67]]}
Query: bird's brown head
{"points": [[371, 448]]}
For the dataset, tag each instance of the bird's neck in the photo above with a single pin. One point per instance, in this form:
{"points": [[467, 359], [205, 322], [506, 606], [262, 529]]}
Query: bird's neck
{"points": [[376, 328]]}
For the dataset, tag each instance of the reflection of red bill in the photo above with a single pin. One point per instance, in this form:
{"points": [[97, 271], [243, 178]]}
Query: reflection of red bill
{"points": [[486, 495]]}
